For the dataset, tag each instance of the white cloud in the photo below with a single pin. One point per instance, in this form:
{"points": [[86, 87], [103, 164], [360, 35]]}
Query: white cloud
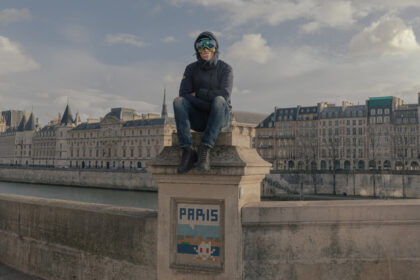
{"points": [[14, 15], [194, 34], [252, 47], [92, 86], [96, 103], [13, 58], [124, 38], [75, 33], [329, 14], [317, 13], [168, 39], [236, 90], [388, 35], [171, 78], [366, 7]]}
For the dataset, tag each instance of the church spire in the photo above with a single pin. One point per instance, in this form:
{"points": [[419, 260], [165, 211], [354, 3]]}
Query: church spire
{"points": [[164, 113]]}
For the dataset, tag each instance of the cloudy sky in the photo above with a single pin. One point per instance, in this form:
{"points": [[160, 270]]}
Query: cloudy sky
{"points": [[103, 54]]}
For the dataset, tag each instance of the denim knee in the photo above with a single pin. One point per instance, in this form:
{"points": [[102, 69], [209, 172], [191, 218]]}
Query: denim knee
{"points": [[218, 101], [178, 103]]}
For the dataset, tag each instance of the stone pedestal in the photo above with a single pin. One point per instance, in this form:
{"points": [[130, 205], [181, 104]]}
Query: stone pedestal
{"points": [[199, 220]]}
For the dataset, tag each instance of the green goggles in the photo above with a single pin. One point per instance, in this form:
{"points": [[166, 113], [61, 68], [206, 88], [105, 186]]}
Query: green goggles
{"points": [[205, 43]]}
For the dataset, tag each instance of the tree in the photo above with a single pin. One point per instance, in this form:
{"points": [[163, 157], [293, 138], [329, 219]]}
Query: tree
{"points": [[311, 156], [401, 143]]}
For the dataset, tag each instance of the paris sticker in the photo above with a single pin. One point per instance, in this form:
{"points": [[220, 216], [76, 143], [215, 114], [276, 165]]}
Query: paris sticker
{"points": [[198, 228]]}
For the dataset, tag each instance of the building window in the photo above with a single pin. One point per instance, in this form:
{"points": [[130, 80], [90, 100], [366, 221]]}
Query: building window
{"points": [[372, 112], [386, 111]]}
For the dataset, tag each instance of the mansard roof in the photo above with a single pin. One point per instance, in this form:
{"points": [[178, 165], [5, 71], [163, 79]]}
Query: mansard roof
{"points": [[124, 114], [45, 130], [87, 126], [267, 121], [150, 122], [48, 128], [134, 123], [67, 116], [285, 114], [308, 110], [406, 114]]}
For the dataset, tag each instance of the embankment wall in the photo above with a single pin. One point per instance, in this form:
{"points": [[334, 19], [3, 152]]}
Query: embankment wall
{"points": [[56, 239], [384, 184], [368, 239], [80, 177], [332, 240]]}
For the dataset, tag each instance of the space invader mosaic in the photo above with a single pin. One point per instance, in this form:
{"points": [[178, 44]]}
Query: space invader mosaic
{"points": [[198, 232]]}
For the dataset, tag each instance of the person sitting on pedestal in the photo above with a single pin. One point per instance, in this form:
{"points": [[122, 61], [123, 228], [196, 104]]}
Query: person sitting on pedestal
{"points": [[203, 103]]}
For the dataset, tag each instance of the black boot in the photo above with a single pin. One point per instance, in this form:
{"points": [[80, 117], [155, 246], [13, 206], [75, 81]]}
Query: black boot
{"points": [[203, 163], [189, 157]]}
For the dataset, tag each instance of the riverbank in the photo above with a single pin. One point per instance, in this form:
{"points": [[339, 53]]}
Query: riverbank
{"points": [[95, 178]]}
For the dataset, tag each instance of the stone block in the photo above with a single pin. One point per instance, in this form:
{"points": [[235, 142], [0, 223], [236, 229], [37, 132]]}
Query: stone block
{"points": [[234, 180], [332, 240]]}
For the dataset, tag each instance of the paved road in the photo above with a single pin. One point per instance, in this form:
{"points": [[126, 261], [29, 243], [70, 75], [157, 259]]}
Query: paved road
{"points": [[7, 273]]}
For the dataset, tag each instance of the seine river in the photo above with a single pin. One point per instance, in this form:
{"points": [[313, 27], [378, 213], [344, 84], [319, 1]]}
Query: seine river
{"points": [[141, 199]]}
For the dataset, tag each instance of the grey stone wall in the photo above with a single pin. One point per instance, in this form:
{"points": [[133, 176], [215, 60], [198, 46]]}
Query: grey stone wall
{"points": [[56, 239], [364, 184], [80, 177], [332, 240]]}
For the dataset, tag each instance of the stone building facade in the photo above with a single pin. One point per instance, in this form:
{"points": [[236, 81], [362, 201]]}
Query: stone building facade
{"points": [[50, 142], [119, 140], [122, 139], [381, 134], [16, 137]]}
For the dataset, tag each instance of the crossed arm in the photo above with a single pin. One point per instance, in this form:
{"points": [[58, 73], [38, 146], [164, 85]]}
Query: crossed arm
{"points": [[203, 98]]}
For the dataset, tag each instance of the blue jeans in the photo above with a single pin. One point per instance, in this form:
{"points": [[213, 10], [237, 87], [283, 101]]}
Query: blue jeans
{"points": [[187, 117]]}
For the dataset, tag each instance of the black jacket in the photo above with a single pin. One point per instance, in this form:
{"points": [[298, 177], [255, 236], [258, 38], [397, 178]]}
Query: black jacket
{"points": [[207, 79]]}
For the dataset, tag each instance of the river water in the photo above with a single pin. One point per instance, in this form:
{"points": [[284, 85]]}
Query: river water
{"points": [[140, 199]]}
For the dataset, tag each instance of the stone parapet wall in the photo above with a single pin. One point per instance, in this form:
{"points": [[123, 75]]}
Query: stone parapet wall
{"points": [[56, 239], [332, 240], [363, 184], [125, 180]]}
